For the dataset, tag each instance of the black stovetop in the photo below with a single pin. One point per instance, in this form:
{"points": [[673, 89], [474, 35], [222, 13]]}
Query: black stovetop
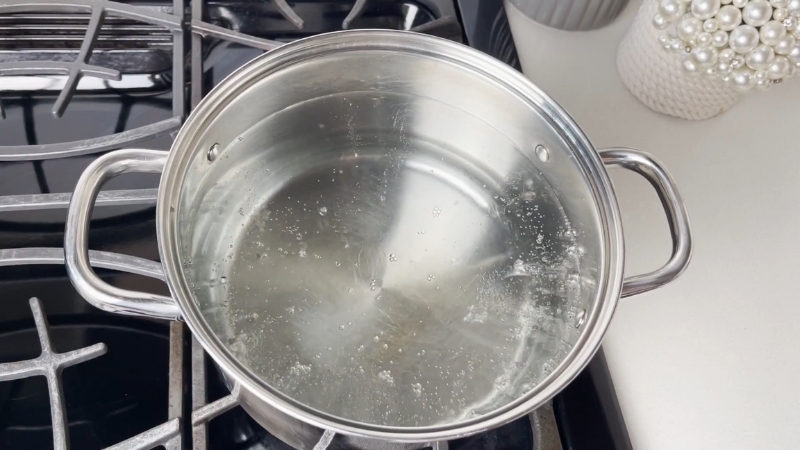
{"points": [[124, 392]]}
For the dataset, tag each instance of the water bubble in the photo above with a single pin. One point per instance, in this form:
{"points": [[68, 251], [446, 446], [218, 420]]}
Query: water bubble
{"points": [[392, 257], [542, 153], [383, 198], [341, 327], [223, 280], [436, 211], [323, 210], [417, 388], [431, 278], [386, 377], [337, 263], [385, 346], [376, 339]]}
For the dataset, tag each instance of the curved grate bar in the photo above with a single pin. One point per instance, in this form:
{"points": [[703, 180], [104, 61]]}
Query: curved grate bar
{"points": [[288, 13], [103, 260], [55, 68], [36, 202], [325, 440], [355, 13], [89, 146], [209, 30], [160, 435], [207, 412]]}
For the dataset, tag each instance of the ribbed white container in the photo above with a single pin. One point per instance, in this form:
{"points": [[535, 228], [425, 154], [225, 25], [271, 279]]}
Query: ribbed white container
{"points": [[656, 78], [571, 15]]}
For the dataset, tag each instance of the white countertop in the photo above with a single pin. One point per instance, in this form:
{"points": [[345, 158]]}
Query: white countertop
{"points": [[711, 361]]}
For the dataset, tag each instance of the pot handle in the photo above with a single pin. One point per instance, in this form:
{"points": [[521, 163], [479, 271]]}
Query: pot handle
{"points": [[76, 237], [646, 166]]}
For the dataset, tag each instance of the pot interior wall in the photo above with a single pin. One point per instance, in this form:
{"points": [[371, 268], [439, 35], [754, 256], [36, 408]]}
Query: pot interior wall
{"points": [[379, 239]]}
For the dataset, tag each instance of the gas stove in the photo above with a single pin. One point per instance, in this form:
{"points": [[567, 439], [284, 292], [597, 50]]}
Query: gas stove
{"points": [[82, 77]]}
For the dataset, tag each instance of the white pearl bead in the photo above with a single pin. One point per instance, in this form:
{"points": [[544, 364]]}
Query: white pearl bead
{"points": [[791, 72], [689, 28], [793, 6], [785, 45], [704, 39], [719, 38], [737, 61], [743, 38], [705, 9], [671, 9], [771, 32], [794, 54], [790, 23], [722, 68], [760, 57], [757, 13], [704, 57], [690, 67], [729, 17], [676, 45], [710, 25], [727, 55], [660, 22], [780, 13], [779, 3], [743, 79], [664, 40], [778, 68], [726, 2], [762, 75], [739, 3]]}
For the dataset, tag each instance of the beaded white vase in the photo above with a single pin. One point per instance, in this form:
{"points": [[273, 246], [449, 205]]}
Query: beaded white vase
{"points": [[657, 78]]}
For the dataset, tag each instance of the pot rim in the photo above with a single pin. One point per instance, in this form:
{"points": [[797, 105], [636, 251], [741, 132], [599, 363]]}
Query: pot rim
{"points": [[612, 253]]}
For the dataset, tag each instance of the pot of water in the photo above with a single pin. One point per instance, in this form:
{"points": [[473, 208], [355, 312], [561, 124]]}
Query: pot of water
{"points": [[386, 235]]}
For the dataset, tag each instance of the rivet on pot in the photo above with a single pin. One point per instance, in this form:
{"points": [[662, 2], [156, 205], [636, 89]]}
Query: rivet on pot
{"points": [[213, 152], [581, 318], [542, 153]]}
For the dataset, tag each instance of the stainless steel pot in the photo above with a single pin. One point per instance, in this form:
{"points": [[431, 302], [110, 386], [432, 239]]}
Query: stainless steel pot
{"points": [[386, 235]]}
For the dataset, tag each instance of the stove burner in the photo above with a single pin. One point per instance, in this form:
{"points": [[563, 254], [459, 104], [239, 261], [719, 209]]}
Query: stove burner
{"points": [[50, 364]]}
